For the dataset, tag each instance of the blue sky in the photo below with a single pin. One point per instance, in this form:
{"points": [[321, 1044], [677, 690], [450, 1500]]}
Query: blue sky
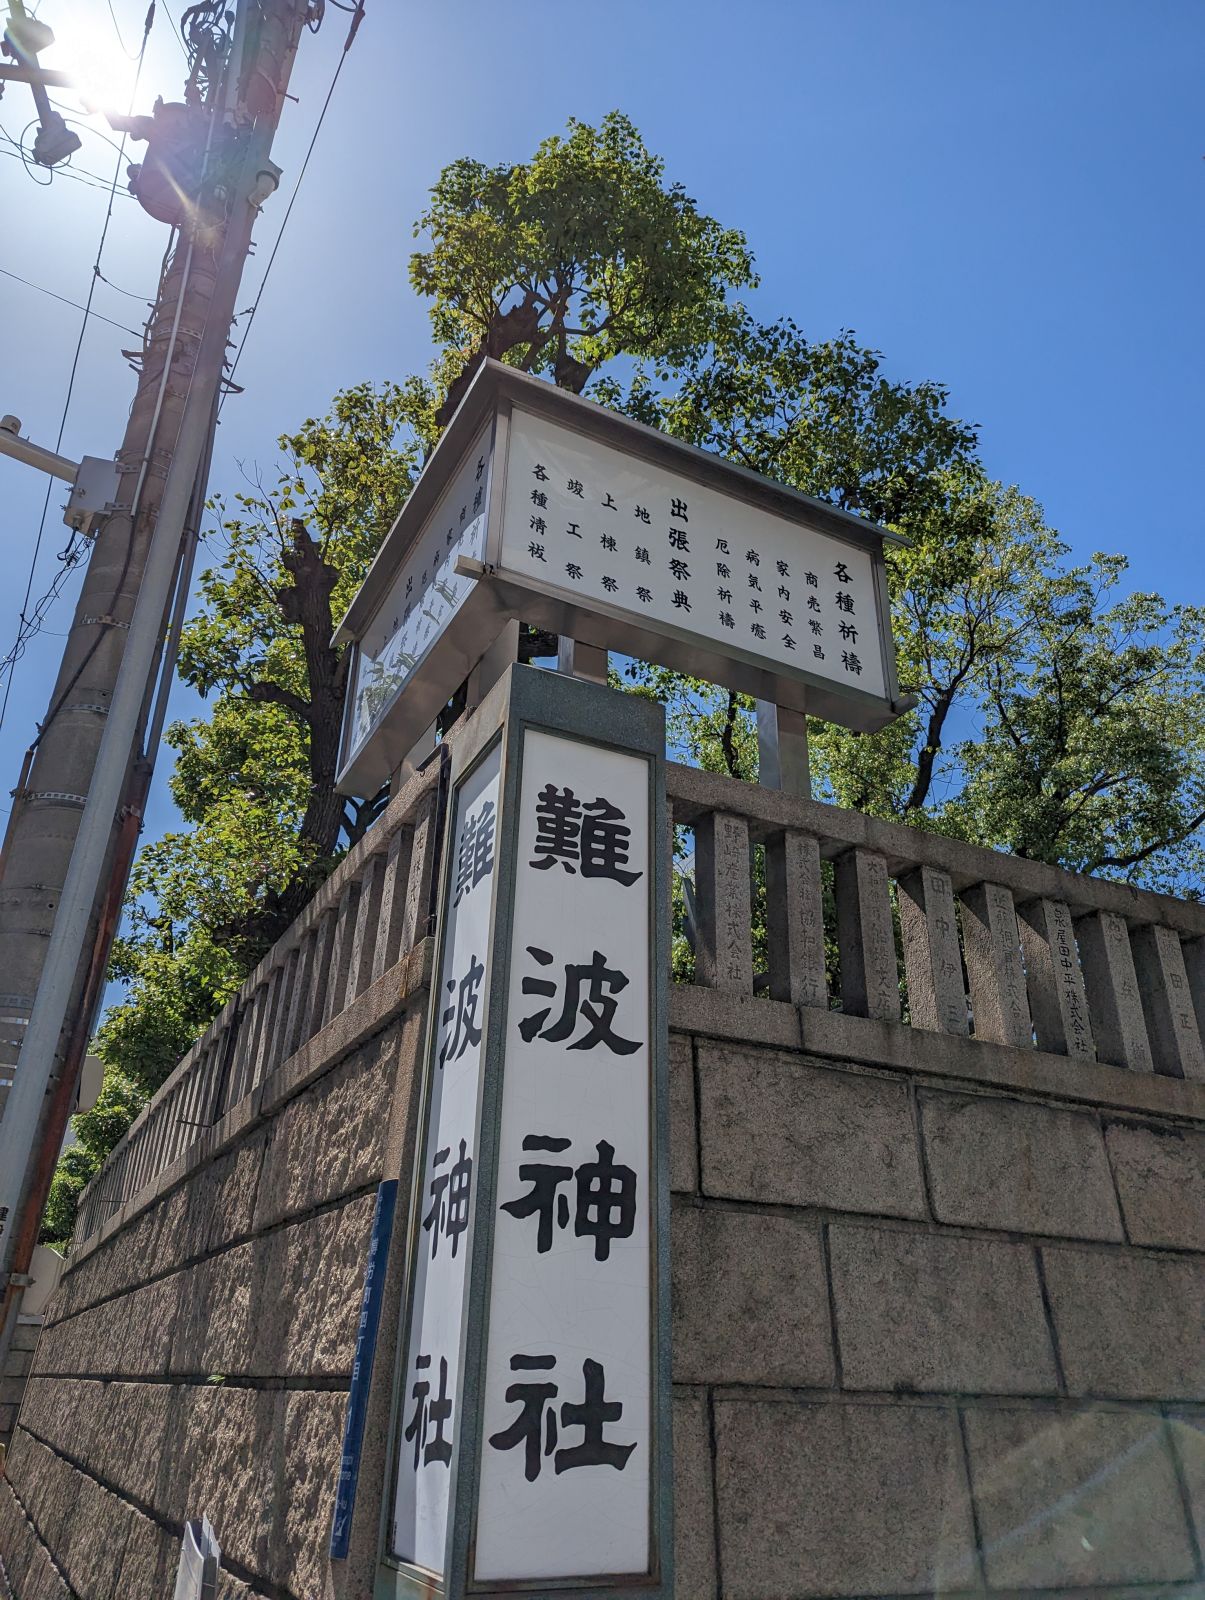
{"points": [[1005, 197]]}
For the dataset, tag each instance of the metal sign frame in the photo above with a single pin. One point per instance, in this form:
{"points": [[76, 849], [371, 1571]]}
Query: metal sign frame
{"points": [[500, 594]]}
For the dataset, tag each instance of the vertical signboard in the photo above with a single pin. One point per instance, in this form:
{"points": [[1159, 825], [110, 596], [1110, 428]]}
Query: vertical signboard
{"points": [[566, 1448], [533, 1421], [444, 1196]]}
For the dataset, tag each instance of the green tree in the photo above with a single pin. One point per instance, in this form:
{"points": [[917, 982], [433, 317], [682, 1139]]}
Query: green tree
{"points": [[562, 263]]}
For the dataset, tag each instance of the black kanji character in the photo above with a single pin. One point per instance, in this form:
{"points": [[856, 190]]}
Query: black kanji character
{"points": [[538, 525], [788, 642], [449, 1214], [428, 1413], [755, 604], [845, 602], [475, 854], [756, 629], [727, 620], [677, 510], [596, 835], [785, 616], [679, 540], [597, 1007], [752, 557], [678, 569], [528, 1427], [818, 652], [644, 595], [610, 585], [723, 570], [536, 552], [606, 1201], [642, 514], [841, 572], [813, 603], [574, 571], [539, 498], [463, 1013], [545, 1178], [783, 570], [574, 486], [480, 469], [477, 500], [609, 503], [784, 594], [538, 472], [816, 627], [572, 530], [725, 595], [851, 663], [754, 581], [848, 631], [607, 542], [813, 581], [643, 555], [680, 600]]}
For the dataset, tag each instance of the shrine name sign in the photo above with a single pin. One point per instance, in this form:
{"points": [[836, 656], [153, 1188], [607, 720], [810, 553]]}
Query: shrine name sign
{"points": [[542, 506]]}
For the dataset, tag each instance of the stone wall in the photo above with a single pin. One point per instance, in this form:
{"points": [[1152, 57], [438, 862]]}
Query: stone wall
{"points": [[930, 1335]]}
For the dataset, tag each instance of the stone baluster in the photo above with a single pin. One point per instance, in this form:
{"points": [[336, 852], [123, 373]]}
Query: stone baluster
{"points": [[992, 942], [340, 967], [724, 958], [1056, 984], [932, 959], [324, 945], [1171, 1019], [1193, 951], [423, 867], [393, 903], [303, 975], [795, 919], [368, 920], [865, 937], [1114, 1003]]}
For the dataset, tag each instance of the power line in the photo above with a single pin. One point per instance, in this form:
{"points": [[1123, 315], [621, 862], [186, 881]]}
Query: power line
{"points": [[89, 179], [74, 304], [357, 18], [26, 625]]}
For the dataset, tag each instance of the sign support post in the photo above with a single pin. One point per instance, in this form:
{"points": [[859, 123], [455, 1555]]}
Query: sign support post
{"points": [[533, 1431]]}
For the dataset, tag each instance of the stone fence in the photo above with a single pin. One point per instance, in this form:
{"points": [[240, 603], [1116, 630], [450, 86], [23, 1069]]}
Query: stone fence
{"points": [[374, 908], [992, 948]]}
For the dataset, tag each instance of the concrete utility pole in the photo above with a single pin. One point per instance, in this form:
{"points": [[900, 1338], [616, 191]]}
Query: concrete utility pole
{"points": [[75, 817]]}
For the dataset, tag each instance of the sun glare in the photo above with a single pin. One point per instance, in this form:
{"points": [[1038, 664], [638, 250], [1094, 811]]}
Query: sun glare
{"points": [[102, 74]]}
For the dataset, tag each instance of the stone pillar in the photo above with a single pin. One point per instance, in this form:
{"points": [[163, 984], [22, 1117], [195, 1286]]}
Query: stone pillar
{"points": [[932, 959], [869, 975], [999, 1003], [1056, 984]]}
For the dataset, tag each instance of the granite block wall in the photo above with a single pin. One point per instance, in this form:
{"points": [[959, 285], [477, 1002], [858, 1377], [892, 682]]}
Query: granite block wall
{"points": [[931, 1335]]}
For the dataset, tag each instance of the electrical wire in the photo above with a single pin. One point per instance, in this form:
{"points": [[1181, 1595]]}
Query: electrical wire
{"points": [[130, 54], [27, 625], [74, 304], [90, 180], [357, 18]]}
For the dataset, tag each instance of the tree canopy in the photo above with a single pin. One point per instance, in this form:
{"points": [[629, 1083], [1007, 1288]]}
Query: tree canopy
{"points": [[1056, 715]]}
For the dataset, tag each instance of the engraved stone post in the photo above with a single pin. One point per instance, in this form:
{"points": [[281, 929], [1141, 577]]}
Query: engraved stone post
{"points": [[1170, 1018], [869, 977], [795, 919], [1056, 985], [999, 1004], [724, 959], [1112, 985], [928, 921]]}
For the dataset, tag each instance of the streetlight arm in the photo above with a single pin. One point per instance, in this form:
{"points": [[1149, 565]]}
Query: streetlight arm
{"points": [[11, 444]]}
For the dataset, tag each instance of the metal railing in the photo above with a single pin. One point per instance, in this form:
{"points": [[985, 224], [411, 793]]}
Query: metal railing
{"points": [[370, 912], [911, 927]]}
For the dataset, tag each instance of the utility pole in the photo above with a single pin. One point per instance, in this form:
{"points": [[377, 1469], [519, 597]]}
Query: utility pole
{"points": [[77, 812]]}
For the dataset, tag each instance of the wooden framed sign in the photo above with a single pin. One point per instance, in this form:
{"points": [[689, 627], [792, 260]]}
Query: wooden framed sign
{"points": [[542, 506]]}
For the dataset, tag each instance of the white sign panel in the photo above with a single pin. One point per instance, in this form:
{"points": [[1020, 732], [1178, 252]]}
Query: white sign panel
{"points": [[564, 1486], [447, 1191], [606, 527], [425, 595]]}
